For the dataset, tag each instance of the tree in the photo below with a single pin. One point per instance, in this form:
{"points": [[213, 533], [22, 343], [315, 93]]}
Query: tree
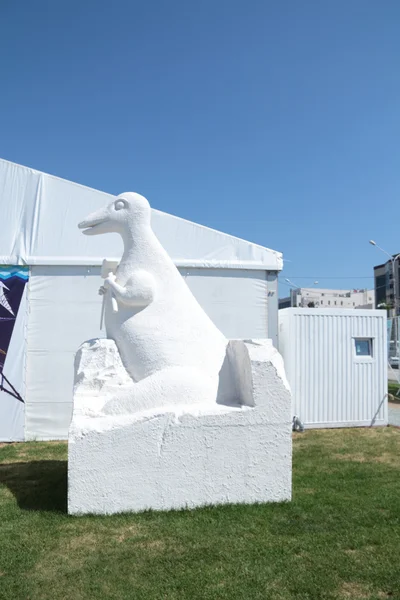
{"points": [[385, 306], [311, 305]]}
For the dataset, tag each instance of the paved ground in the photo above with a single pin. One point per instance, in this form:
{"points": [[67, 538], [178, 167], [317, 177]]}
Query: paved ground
{"points": [[393, 374], [394, 414]]}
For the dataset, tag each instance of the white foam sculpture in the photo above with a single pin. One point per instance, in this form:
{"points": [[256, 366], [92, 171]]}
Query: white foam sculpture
{"points": [[167, 412]]}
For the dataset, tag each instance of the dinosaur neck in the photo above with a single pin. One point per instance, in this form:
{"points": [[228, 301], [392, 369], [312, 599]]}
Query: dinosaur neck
{"points": [[135, 242]]}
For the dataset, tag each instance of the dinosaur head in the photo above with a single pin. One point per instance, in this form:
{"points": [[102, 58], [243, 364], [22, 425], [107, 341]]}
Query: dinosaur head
{"points": [[125, 213]]}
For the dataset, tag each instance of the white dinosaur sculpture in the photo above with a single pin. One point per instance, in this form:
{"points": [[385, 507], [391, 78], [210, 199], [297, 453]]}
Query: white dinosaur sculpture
{"points": [[167, 414], [168, 345], [3, 299]]}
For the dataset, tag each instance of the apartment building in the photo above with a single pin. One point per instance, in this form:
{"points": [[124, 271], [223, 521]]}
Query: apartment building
{"points": [[387, 283]]}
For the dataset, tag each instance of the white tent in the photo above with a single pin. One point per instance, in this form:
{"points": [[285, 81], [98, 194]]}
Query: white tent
{"points": [[235, 282]]}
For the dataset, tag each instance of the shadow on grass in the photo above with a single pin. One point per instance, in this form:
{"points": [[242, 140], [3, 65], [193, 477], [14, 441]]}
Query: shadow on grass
{"points": [[38, 485]]}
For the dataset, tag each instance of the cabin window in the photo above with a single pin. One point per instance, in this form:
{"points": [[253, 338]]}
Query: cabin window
{"points": [[363, 346]]}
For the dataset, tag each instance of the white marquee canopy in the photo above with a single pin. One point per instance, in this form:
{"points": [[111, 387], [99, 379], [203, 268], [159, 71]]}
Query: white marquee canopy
{"points": [[234, 280], [40, 212]]}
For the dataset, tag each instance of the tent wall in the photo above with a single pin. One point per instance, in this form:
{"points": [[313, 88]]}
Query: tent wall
{"points": [[236, 301], [65, 310]]}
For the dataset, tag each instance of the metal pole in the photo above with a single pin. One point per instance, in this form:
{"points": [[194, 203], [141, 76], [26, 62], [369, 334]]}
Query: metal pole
{"points": [[395, 306], [396, 337]]}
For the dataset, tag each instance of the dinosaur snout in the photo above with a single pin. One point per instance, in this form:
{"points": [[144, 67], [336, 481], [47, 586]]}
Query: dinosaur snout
{"points": [[95, 223], [89, 223]]}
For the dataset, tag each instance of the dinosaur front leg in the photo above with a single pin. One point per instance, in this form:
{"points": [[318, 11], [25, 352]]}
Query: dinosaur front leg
{"points": [[138, 292]]}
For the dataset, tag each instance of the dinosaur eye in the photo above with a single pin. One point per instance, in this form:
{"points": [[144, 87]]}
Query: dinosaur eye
{"points": [[120, 204]]}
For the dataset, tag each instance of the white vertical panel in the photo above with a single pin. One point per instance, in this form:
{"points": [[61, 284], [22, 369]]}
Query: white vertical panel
{"points": [[331, 386]]}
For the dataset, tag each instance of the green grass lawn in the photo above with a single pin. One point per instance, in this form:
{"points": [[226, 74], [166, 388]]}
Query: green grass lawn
{"points": [[338, 538]]}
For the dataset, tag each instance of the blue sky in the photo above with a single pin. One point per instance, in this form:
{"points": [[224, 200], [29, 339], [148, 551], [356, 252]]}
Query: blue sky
{"points": [[278, 122]]}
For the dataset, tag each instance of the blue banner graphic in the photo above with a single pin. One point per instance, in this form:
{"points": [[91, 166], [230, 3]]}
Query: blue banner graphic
{"points": [[12, 285]]}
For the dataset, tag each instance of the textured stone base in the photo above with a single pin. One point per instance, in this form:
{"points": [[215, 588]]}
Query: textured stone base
{"points": [[185, 456]]}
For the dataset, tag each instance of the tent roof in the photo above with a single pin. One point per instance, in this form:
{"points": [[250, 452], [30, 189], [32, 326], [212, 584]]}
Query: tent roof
{"points": [[40, 212]]}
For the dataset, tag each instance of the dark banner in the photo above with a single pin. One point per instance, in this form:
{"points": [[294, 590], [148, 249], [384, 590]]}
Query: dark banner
{"points": [[12, 284]]}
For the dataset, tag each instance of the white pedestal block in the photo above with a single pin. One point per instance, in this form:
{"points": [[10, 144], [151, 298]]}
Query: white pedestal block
{"points": [[180, 455]]}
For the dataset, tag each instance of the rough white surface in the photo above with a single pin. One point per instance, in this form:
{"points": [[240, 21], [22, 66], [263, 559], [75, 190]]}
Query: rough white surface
{"points": [[99, 375], [184, 455], [167, 343]]}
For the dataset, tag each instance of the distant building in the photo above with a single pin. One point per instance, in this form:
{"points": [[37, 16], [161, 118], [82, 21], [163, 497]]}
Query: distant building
{"points": [[285, 302], [387, 284], [325, 298]]}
